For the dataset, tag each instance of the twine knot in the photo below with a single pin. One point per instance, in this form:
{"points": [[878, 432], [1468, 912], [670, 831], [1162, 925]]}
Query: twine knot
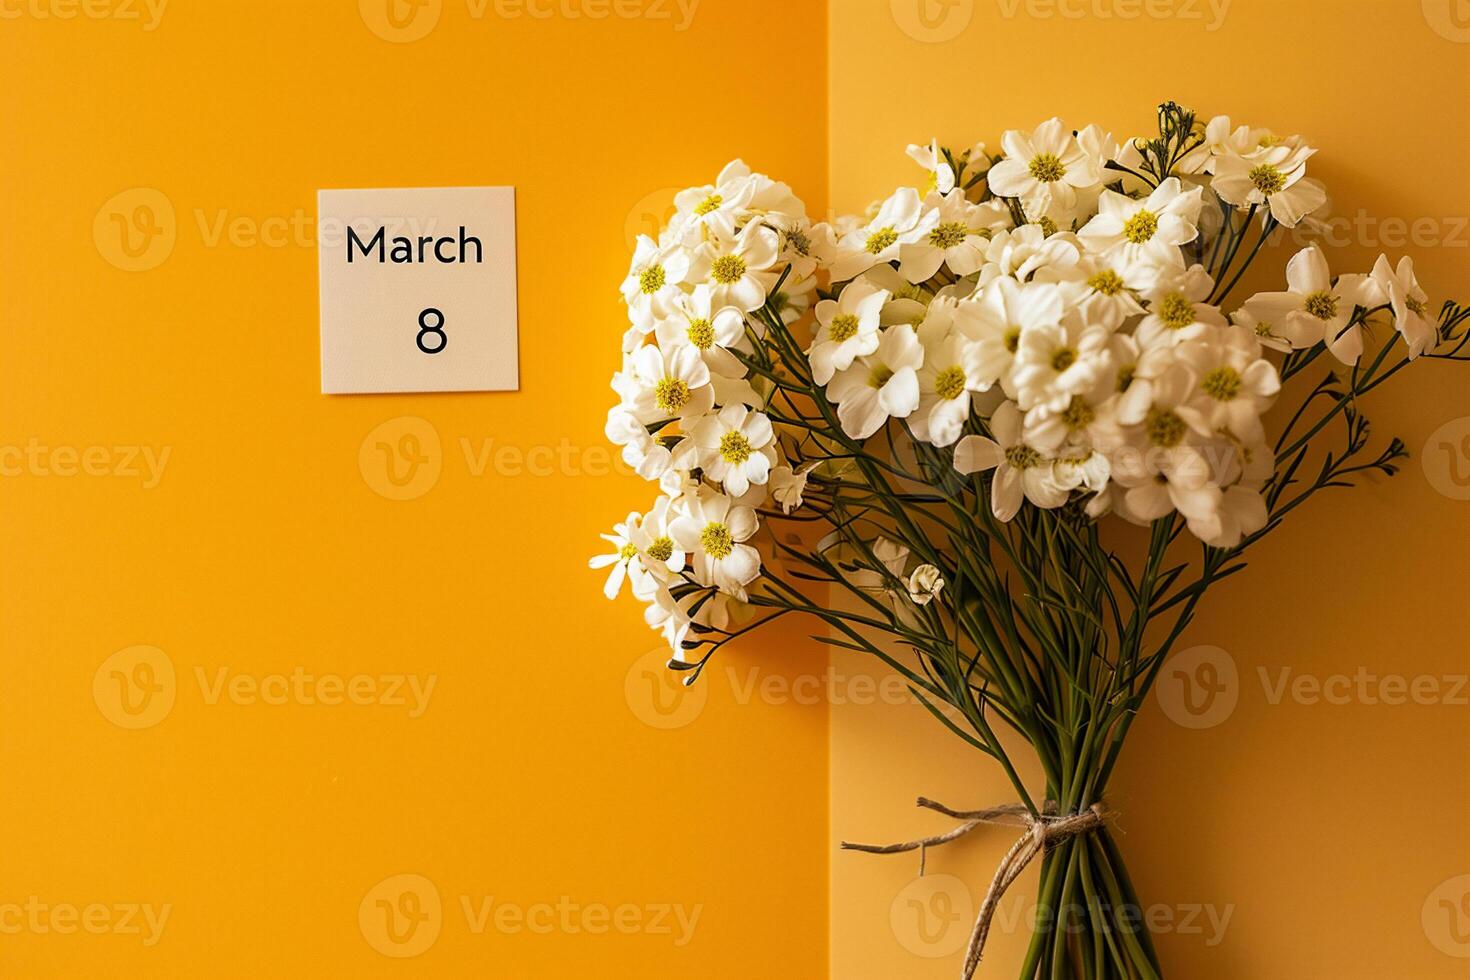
{"points": [[1043, 831]]}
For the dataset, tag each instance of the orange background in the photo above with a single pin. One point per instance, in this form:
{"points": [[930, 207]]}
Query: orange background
{"points": [[545, 765], [530, 776]]}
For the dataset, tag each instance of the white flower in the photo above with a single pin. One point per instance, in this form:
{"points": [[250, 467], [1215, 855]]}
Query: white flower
{"points": [[1235, 385], [660, 559], [880, 386], [667, 384], [900, 219], [788, 485], [624, 553], [1058, 360], [1020, 470], [648, 457], [1313, 308], [847, 328], [925, 584], [1043, 169], [695, 322], [728, 196], [653, 281], [1401, 291], [1162, 465], [712, 529], [997, 319], [1275, 176], [737, 447], [931, 158], [1241, 511], [1177, 309], [1021, 251], [1150, 230], [955, 240], [878, 579], [951, 371], [737, 267]]}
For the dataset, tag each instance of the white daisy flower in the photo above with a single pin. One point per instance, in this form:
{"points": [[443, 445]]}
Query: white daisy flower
{"points": [[1313, 308], [1021, 471], [736, 448], [847, 328], [1401, 291], [900, 219], [1044, 170], [883, 385], [653, 281], [712, 530], [737, 267]]}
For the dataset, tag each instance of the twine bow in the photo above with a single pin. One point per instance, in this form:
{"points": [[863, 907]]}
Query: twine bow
{"points": [[1042, 832]]}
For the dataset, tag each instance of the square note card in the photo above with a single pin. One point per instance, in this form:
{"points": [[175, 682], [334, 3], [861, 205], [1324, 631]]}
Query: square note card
{"points": [[418, 289]]}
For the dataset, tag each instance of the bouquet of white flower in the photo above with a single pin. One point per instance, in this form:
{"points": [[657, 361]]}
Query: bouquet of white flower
{"points": [[954, 389]]}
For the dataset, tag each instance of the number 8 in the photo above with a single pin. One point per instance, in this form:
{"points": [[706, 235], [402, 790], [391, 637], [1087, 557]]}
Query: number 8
{"points": [[436, 330]]}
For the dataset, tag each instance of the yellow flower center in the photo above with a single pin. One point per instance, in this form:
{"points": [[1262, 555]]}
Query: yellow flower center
{"points": [[1141, 227], [1222, 384], [651, 279], [627, 551], [1415, 305], [1323, 306], [949, 234], [1022, 457], [844, 326], [1176, 311], [881, 239], [1125, 376], [727, 269], [1079, 414], [701, 333], [1013, 339], [1064, 358], [709, 204], [1268, 179], [1165, 429], [661, 549], [670, 394], [1046, 168], [950, 383], [734, 447], [1107, 282], [716, 540], [1048, 226], [880, 376]]}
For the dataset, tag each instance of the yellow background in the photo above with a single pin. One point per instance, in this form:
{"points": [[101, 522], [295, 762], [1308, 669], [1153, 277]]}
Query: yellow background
{"points": [[544, 765]]}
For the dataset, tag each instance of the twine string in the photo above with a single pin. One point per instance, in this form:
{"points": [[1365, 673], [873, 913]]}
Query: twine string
{"points": [[1041, 833]]}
